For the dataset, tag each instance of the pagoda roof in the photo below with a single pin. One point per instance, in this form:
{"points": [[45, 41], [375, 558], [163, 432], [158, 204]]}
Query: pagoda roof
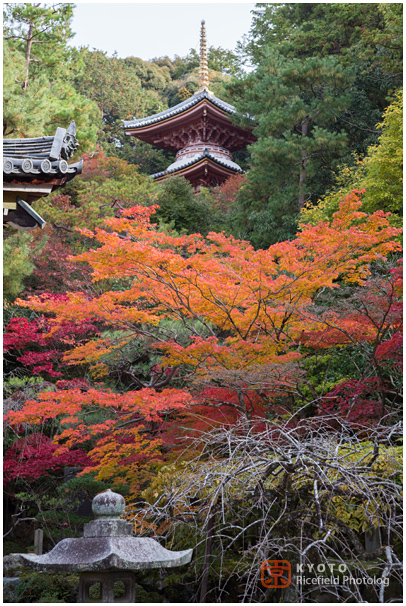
{"points": [[199, 130], [204, 169], [183, 163], [179, 109], [172, 128]]}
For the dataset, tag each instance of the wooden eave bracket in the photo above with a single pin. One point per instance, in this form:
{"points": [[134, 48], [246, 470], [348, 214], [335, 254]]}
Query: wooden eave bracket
{"points": [[41, 222]]}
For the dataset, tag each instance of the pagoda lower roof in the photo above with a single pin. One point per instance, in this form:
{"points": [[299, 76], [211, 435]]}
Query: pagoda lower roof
{"points": [[179, 109], [205, 156]]}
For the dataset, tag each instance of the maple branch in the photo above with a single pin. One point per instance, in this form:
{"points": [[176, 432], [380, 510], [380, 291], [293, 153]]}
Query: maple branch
{"points": [[168, 377], [16, 522], [68, 229]]}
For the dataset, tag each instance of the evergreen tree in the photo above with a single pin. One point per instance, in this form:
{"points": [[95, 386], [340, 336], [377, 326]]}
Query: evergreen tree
{"points": [[115, 85], [153, 76], [364, 36], [38, 90], [218, 59], [181, 209], [379, 174], [17, 263], [41, 32], [364, 41], [35, 102], [294, 102], [383, 166]]}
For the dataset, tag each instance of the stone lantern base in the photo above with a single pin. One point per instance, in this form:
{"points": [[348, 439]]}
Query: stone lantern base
{"points": [[107, 581]]}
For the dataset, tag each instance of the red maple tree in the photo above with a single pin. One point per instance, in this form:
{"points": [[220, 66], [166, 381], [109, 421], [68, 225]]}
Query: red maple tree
{"points": [[245, 316]]}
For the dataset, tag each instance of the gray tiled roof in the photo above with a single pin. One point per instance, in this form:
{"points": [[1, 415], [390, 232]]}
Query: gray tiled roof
{"points": [[44, 156], [40, 147], [178, 109], [62, 145], [31, 168], [185, 163]]}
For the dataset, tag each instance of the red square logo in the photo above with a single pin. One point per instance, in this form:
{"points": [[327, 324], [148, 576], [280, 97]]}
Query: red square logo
{"points": [[276, 574]]}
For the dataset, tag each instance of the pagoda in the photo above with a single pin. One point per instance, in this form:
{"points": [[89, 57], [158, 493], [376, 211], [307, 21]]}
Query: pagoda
{"points": [[199, 130]]}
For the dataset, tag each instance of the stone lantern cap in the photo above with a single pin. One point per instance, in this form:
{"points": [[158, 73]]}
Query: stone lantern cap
{"points": [[108, 544]]}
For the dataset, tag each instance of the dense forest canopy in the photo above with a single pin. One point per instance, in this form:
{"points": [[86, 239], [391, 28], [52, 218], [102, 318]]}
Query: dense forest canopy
{"points": [[229, 361]]}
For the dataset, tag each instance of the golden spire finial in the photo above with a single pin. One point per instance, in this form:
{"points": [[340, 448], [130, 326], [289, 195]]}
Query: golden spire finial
{"points": [[203, 70]]}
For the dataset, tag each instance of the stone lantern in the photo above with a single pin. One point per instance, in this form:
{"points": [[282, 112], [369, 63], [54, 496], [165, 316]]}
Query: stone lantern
{"points": [[107, 554]]}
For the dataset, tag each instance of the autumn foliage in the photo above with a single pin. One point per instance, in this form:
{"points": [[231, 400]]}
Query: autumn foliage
{"points": [[121, 439], [35, 456], [225, 195], [29, 343], [248, 317]]}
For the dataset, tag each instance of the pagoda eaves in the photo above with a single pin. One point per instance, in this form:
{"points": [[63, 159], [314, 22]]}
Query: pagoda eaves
{"points": [[202, 118], [203, 168], [199, 130], [201, 133]]}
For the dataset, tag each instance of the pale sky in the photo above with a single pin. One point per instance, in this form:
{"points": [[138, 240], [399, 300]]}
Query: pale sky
{"points": [[149, 30]]}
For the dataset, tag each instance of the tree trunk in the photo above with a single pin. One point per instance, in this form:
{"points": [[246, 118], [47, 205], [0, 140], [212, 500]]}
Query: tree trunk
{"points": [[206, 565], [28, 55], [303, 165]]}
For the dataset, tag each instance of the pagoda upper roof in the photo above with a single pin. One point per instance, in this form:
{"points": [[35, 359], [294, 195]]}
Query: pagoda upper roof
{"points": [[179, 109]]}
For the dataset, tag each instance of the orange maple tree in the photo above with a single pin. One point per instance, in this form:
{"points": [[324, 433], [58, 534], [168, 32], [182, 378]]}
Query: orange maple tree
{"points": [[119, 445], [246, 315]]}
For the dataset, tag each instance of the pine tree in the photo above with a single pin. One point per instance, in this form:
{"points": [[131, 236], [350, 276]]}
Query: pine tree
{"points": [[17, 264], [295, 102], [38, 76], [379, 174], [41, 32]]}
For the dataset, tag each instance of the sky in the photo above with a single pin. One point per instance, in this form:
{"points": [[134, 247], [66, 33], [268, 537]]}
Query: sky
{"points": [[148, 30]]}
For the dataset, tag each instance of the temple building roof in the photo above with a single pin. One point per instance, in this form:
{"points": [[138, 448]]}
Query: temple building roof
{"points": [[41, 159], [179, 109], [33, 168], [206, 153], [202, 118]]}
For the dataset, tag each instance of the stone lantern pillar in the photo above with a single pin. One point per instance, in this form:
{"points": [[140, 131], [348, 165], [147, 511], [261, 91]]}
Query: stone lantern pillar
{"points": [[107, 554]]}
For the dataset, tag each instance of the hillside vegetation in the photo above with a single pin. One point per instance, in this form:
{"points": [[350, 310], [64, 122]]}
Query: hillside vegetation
{"points": [[230, 362]]}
